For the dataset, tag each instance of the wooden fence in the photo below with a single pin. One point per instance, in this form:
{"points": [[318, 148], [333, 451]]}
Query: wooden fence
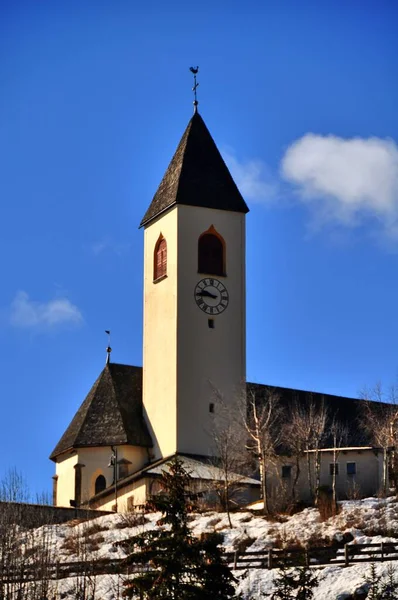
{"points": [[262, 559], [323, 555]]}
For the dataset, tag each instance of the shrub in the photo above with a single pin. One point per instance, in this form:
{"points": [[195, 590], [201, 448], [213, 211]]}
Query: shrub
{"points": [[130, 520]]}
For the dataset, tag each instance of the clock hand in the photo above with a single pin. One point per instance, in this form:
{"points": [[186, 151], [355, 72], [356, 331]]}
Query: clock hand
{"points": [[207, 294]]}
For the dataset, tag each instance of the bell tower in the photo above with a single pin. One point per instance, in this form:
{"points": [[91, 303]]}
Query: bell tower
{"points": [[194, 295]]}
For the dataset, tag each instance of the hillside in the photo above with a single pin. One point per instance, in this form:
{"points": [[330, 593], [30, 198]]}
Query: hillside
{"points": [[361, 521]]}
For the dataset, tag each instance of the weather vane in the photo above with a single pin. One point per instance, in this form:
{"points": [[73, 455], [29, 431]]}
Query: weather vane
{"points": [[195, 85], [108, 349]]}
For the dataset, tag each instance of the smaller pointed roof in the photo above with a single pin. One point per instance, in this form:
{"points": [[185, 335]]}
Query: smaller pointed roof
{"points": [[111, 414], [196, 176]]}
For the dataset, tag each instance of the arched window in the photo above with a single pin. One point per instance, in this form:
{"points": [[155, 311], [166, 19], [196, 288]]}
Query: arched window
{"points": [[160, 259], [100, 484], [211, 258]]}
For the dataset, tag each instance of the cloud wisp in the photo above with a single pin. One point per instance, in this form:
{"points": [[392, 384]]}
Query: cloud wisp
{"points": [[107, 245], [346, 181], [252, 177], [29, 314]]}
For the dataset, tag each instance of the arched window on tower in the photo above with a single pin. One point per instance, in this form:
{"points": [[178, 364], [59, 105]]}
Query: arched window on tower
{"points": [[211, 253], [100, 484], [160, 259]]}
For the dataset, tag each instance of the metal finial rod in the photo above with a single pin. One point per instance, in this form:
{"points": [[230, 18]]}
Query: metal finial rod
{"points": [[195, 70], [108, 349]]}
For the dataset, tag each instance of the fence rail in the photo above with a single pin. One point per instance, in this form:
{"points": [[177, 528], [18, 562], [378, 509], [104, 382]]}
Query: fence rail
{"points": [[262, 559], [323, 555]]}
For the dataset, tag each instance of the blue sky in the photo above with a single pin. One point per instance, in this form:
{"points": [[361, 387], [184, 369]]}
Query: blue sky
{"points": [[301, 99]]}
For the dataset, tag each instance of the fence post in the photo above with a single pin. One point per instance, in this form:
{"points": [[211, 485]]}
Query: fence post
{"points": [[270, 558], [382, 551], [235, 559], [307, 557], [346, 555]]}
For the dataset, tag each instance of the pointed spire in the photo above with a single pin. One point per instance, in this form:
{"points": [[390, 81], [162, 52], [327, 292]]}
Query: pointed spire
{"points": [[196, 176]]}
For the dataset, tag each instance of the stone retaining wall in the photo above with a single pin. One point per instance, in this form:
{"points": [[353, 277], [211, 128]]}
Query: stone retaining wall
{"points": [[35, 515]]}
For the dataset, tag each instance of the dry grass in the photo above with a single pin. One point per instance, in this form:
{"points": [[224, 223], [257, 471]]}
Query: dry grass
{"points": [[72, 543], [214, 522], [93, 529], [130, 520], [242, 543]]}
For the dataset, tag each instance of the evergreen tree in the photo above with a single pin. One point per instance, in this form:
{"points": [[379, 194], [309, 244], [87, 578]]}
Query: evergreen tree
{"points": [[307, 580], [383, 587], [284, 583], [294, 583], [389, 586], [374, 582], [179, 566]]}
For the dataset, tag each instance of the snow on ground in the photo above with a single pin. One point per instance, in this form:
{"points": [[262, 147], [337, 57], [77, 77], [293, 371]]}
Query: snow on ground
{"points": [[369, 520]]}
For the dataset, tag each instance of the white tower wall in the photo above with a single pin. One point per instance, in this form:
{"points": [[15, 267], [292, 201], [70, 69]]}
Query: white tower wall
{"points": [[186, 363]]}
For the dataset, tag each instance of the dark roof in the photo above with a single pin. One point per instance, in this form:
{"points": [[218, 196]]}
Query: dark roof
{"points": [[347, 411], [111, 414], [196, 176]]}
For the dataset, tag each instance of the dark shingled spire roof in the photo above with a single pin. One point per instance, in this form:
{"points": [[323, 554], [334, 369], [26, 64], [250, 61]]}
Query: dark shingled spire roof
{"points": [[196, 176], [110, 414]]}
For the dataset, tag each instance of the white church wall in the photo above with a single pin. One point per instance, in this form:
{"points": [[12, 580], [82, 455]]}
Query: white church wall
{"points": [[96, 461], [365, 481], [66, 478], [134, 494], [160, 338], [209, 361]]}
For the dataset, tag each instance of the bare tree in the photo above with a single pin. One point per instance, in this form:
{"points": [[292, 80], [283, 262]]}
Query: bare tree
{"points": [[318, 417], [380, 419], [230, 455], [303, 434], [25, 551], [339, 435], [295, 438], [263, 429]]}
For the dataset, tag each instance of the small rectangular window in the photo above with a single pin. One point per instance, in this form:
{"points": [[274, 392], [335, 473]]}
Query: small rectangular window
{"points": [[286, 471], [211, 407], [211, 323], [351, 468], [334, 467]]}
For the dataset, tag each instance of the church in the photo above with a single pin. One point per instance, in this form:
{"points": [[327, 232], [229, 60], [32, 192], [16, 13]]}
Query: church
{"points": [[135, 419]]}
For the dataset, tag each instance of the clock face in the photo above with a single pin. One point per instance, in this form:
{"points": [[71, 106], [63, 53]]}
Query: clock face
{"points": [[211, 296]]}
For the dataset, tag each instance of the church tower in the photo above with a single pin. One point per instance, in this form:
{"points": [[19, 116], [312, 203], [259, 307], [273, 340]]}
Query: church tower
{"points": [[194, 296]]}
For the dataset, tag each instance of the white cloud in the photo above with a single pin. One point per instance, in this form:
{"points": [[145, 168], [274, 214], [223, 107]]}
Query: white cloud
{"points": [[252, 177], [106, 244], [28, 314], [346, 180]]}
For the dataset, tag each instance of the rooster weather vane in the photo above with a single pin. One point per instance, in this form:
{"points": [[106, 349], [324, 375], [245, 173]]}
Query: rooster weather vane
{"points": [[194, 70]]}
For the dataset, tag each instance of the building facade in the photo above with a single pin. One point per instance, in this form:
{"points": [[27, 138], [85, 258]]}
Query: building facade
{"points": [[194, 352]]}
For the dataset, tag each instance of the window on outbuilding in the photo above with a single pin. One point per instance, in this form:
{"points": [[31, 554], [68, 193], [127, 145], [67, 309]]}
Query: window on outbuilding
{"points": [[160, 259], [334, 467], [286, 471], [351, 468], [100, 484], [211, 253]]}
